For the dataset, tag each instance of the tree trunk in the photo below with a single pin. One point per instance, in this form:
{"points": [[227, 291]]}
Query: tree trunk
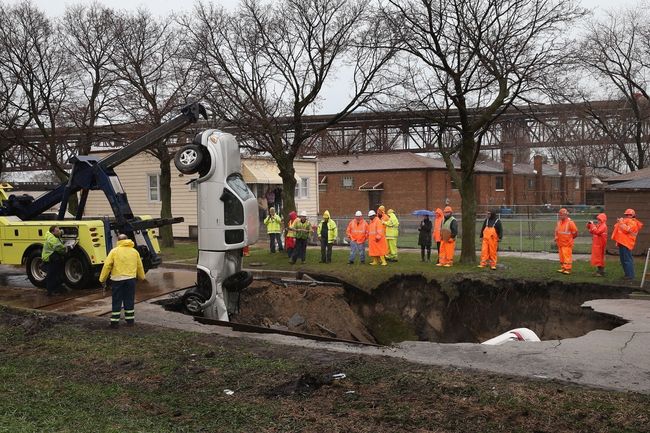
{"points": [[468, 201], [166, 232], [287, 173]]}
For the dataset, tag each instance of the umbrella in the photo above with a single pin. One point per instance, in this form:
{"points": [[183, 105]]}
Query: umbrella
{"points": [[422, 212]]}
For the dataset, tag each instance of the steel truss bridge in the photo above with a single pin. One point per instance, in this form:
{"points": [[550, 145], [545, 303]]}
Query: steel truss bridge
{"points": [[541, 126]]}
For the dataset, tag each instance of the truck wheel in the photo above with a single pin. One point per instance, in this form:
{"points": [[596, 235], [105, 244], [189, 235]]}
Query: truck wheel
{"points": [[77, 272], [238, 281], [35, 268], [192, 301], [188, 159]]}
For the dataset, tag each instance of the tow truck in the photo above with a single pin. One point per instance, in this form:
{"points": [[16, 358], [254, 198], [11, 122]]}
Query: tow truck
{"points": [[25, 220]]}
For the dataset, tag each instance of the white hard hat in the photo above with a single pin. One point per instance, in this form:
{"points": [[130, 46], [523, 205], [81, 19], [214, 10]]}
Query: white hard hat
{"points": [[371, 213], [302, 213], [358, 213]]}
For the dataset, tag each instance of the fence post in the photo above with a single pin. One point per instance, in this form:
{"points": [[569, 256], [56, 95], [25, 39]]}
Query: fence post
{"points": [[521, 237]]}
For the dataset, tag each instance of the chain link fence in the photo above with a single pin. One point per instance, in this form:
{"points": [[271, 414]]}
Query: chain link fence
{"points": [[525, 228]]}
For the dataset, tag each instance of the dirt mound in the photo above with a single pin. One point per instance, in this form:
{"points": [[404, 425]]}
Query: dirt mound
{"points": [[31, 323], [314, 309]]}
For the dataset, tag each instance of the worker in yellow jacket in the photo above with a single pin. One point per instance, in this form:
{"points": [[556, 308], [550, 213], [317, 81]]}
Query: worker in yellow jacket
{"points": [[327, 232], [392, 232], [123, 264]]}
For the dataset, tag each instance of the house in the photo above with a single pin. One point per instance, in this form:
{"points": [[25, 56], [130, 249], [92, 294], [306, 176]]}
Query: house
{"points": [[407, 181], [140, 179]]}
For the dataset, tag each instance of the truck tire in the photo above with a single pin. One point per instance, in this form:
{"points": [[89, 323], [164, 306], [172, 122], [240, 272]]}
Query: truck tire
{"points": [[238, 281], [188, 159], [77, 272], [35, 268]]}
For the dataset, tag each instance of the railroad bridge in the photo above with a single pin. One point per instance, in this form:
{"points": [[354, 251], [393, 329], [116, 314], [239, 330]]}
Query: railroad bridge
{"points": [[540, 126]]}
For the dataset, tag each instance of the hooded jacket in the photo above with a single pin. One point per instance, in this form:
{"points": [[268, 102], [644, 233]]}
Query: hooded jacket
{"points": [[392, 225], [122, 263], [330, 226]]}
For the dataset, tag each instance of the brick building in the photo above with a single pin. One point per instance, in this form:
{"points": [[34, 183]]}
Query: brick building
{"points": [[407, 181]]}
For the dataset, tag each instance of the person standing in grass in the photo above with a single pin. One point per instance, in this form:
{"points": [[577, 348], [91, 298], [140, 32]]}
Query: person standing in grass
{"points": [[437, 225], [377, 246], [302, 229], [625, 232], [565, 233], [290, 237], [328, 233], [392, 232], [273, 224], [448, 233], [357, 233], [124, 265], [491, 234], [424, 237], [598, 232]]}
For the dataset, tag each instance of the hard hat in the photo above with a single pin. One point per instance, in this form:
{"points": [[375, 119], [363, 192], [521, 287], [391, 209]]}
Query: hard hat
{"points": [[381, 208], [358, 213], [302, 213], [371, 213], [629, 212], [448, 209], [390, 211], [563, 211]]}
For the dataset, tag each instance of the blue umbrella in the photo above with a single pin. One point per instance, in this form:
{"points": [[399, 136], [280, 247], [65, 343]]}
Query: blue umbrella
{"points": [[422, 212]]}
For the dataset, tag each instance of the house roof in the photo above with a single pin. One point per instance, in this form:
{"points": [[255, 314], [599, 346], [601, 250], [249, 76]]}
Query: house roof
{"points": [[634, 184], [392, 161], [638, 174]]}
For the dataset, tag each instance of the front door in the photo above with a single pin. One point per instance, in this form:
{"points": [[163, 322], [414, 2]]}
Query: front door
{"points": [[374, 199]]}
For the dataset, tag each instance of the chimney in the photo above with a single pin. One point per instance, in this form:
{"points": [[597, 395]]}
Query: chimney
{"points": [[563, 183], [508, 159], [539, 179]]}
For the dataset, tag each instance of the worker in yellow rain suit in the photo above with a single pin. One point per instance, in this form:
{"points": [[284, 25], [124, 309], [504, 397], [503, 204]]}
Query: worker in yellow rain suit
{"points": [[392, 232]]}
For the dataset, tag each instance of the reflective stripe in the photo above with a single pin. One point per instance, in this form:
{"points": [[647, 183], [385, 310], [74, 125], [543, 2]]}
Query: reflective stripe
{"points": [[565, 233], [114, 319], [115, 313], [129, 311]]}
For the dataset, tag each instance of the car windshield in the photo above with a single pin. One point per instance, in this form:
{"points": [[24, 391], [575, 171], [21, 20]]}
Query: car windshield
{"points": [[236, 182]]}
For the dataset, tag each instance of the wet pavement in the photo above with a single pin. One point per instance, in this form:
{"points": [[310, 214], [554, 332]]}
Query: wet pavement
{"points": [[17, 291]]}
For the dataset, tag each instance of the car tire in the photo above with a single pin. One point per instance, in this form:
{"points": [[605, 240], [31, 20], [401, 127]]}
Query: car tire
{"points": [[238, 281], [35, 268], [188, 159], [77, 272], [192, 301]]}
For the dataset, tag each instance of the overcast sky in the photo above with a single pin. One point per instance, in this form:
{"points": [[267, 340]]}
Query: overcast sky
{"points": [[333, 99]]}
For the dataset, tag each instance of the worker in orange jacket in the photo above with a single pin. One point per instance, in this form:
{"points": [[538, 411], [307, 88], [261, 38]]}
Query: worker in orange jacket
{"points": [[377, 246], [357, 234], [565, 232], [625, 232], [448, 232], [598, 232], [491, 234], [437, 225]]}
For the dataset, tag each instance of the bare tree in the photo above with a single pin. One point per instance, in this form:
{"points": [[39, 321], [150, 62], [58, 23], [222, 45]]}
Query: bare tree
{"points": [[32, 57], [615, 53], [268, 65], [88, 42], [467, 61], [154, 80]]}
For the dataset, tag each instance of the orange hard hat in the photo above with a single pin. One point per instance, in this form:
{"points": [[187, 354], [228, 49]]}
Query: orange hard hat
{"points": [[629, 212], [448, 209], [563, 211]]}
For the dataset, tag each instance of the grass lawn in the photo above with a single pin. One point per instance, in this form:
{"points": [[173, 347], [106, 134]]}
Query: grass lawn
{"points": [[70, 374], [368, 277]]}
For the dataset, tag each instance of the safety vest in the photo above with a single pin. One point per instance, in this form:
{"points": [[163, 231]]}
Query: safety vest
{"points": [[626, 231], [332, 231], [301, 229], [52, 245], [273, 223], [290, 231], [565, 232], [357, 232]]}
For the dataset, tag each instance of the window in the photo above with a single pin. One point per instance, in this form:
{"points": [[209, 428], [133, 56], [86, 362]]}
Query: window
{"points": [[499, 183], [577, 183], [302, 188], [453, 184], [154, 187], [531, 183], [347, 182], [322, 185], [556, 183], [236, 182], [233, 210]]}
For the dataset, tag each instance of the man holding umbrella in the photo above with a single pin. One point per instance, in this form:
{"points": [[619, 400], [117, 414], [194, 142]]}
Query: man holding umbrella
{"points": [[425, 229]]}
